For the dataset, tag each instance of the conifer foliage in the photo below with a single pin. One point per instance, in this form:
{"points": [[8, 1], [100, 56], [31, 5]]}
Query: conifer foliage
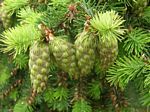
{"points": [[75, 56]]}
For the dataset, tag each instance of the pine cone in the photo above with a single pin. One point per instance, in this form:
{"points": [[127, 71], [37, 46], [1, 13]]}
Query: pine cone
{"points": [[39, 63], [64, 53], [85, 52], [107, 50], [110, 30]]}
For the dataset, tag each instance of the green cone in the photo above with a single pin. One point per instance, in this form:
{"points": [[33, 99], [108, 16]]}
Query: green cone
{"points": [[64, 53], [109, 29], [107, 50], [39, 63], [85, 52]]}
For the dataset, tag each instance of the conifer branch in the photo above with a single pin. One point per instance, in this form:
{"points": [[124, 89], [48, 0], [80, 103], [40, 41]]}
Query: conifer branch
{"points": [[94, 89], [22, 106], [145, 98], [124, 70], [146, 15], [147, 76], [137, 41], [18, 39], [81, 105], [21, 60], [127, 2], [4, 75], [13, 5], [29, 16]]}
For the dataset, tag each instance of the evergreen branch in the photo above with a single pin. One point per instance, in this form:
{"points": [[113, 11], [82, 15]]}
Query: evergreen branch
{"points": [[22, 106], [51, 19], [95, 89], [61, 93], [108, 24], [60, 101], [137, 41], [14, 5], [21, 60], [119, 7], [29, 16], [59, 2], [147, 78], [125, 70], [81, 106], [90, 5], [18, 39], [60, 105], [14, 94], [49, 95], [11, 91], [132, 93], [127, 2], [145, 99], [4, 74], [146, 15], [57, 99]]}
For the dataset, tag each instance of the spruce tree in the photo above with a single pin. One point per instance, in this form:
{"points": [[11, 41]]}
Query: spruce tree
{"points": [[75, 56]]}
